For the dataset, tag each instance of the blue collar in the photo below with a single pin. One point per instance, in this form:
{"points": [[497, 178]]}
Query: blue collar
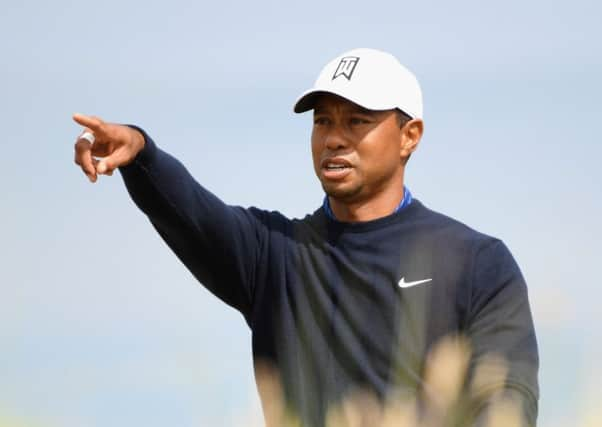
{"points": [[407, 199]]}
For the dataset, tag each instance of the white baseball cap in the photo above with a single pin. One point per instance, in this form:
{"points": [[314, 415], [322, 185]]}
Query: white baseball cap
{"points": [[370, 78]]}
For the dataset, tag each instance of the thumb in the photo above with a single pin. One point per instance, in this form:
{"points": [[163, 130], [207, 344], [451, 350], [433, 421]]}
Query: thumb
{"points": [[102, 167], [118, 158]]}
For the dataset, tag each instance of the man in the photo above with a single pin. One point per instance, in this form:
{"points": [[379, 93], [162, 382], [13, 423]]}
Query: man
{"points": [[351, 299]]}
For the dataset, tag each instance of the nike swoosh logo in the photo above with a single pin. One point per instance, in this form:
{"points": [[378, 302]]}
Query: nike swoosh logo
{"points": [[404, 284]]}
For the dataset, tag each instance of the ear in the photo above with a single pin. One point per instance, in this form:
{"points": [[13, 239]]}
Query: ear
{"points": [[411, 133]]}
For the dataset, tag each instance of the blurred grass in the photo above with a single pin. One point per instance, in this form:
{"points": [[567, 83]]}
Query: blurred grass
{"points": [[446, 400], [442, 402]]}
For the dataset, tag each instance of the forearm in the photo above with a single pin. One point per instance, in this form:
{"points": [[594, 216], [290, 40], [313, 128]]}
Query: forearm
{"points": [[163, 188], [217, 243]]}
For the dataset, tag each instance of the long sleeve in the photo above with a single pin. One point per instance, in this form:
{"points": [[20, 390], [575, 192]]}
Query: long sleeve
{"points": [[501, 324], [218, 243]]}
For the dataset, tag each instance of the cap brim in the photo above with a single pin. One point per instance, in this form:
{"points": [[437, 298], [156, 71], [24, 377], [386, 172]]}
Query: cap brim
{"points": [[307, 101]]}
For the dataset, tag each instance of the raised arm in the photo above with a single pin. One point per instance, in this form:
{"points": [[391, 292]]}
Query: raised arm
{"points": [[219, 244]]}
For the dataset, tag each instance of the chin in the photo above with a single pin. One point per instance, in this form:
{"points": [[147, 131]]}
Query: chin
{"points": [[341, 192]]}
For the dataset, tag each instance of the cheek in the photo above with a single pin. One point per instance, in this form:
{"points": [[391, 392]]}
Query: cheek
{"points": [[380, 155], [316, 151]]}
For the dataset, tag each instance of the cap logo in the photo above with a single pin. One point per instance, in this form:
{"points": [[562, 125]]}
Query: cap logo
{"points": [[346, 67]]}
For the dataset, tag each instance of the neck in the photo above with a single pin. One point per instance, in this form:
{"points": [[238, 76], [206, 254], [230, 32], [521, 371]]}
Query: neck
{"points": [[379, 206]]}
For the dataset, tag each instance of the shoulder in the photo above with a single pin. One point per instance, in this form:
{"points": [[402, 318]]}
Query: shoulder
{"points": [[484, 246], [482, 256], [489, 265], [447, 230], [268, 218]]}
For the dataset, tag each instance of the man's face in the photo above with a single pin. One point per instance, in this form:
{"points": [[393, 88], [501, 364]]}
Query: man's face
{"points": [[356, 152]]}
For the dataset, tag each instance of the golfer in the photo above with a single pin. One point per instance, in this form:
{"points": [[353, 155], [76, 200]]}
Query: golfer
{"points": [[354, 295]]}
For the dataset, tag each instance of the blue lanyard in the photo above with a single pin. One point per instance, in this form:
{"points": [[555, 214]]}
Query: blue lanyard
{"points": [[407, 199]]}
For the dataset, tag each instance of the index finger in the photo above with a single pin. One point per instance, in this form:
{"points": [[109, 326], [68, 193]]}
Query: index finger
{"points": [[93, 123]]}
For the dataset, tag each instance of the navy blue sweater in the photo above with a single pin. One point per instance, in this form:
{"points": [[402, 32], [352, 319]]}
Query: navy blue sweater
{"points": [[323, 298]]}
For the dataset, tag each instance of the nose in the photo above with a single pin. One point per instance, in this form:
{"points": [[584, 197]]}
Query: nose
{"points": [[336, 139]]}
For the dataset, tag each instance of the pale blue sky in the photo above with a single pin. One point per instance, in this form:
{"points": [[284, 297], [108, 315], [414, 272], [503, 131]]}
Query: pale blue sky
{"points": [[101, 325]]}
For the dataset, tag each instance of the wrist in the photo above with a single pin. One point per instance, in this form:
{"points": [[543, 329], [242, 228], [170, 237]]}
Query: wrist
{"points": [[143, 149], [138, 139]]}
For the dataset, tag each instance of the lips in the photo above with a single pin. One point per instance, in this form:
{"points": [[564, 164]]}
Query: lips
{"points": [[335, 168], [335, 163]]}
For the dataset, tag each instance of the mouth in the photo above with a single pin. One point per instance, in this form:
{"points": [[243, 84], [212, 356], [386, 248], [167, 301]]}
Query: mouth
{"points": [[335, 168]]}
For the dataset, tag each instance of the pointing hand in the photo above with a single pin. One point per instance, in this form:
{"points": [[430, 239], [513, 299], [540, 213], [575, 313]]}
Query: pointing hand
{"points": [[111, 146]]}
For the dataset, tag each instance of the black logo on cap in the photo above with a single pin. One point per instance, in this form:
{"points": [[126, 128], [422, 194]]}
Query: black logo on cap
{"points": [[346, 67]]}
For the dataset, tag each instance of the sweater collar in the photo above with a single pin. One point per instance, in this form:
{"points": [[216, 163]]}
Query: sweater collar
{"points": [[405, 201]]}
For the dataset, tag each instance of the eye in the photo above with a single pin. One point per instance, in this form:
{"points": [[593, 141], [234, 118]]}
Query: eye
{"points": [[359, 120], [320, 121]]}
